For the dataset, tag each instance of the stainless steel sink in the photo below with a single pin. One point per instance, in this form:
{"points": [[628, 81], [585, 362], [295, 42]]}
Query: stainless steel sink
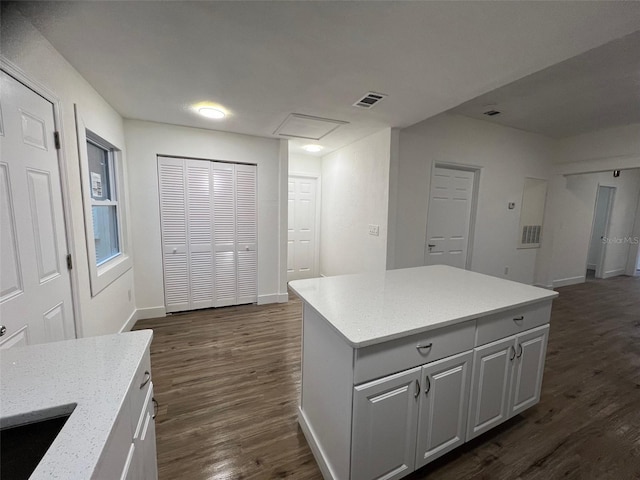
{"points": [[23, 446]]}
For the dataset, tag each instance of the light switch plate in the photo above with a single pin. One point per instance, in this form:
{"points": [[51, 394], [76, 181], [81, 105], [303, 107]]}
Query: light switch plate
{"points": [[374, 230]]}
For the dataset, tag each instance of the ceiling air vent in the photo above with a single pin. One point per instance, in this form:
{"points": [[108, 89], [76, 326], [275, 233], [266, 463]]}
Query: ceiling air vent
{"points": [[369, 100], [491, 113]]}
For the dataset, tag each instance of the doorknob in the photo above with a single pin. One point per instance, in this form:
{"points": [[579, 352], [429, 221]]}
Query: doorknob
{"points": [[3, 330], [431, 245]]}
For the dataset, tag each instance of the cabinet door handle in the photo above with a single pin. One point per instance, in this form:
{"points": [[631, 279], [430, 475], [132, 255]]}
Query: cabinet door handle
{"points": [[147, 377], [521, 350], [155, 408], [519, 319], [512, 348], [426, 392], [424, 347], [415, 395]]}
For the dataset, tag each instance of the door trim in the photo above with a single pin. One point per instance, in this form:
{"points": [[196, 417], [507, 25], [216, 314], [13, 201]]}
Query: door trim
{"points": [[18, 74], [475, 169], [316, 253]]}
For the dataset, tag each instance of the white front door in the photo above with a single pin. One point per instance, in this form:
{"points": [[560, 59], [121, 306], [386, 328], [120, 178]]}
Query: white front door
{"points": [[301, 253], [35, 288], [449, 217]]}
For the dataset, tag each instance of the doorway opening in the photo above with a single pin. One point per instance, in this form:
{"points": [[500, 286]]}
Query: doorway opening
{"points": [[451, 215], [599, 232]]}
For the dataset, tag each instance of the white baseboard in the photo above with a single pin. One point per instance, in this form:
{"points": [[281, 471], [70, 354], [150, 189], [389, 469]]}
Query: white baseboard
{"points": [[150, 312], [273, 298], [614, 273], [564, 282], [315, 447], [131, 321]]}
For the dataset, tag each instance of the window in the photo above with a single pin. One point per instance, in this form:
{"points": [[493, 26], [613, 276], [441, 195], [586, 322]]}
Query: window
{"points": [[103, 193], [104, 201]]}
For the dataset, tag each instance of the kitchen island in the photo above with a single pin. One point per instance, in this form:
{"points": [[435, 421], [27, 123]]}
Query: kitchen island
{"points": [[401, 367], [100, 389]]}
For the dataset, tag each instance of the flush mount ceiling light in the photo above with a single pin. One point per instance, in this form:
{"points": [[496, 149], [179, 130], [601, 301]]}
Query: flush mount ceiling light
{"points": [[211, 112], [313, 148]]}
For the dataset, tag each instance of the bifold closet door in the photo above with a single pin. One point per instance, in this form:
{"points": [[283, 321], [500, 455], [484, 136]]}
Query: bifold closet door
{"points": [[209, 233], [235, 233], [187, 247]]}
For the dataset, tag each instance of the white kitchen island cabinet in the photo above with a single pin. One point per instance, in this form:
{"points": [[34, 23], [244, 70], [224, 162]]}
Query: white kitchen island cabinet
{"points": [[401, 367]]}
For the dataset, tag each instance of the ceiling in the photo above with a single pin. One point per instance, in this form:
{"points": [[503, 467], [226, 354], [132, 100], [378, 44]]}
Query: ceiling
{"points": [[152, 60], [597, 89]]}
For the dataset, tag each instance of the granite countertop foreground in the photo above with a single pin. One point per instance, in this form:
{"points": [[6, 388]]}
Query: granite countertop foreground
{"points": [[46, 380], [372, 308]]}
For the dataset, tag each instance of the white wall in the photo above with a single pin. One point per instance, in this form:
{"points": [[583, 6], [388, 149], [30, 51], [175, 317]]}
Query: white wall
{"points": [[573, 204], [305, 164], [27, 49], [611, 143], [145, 141], [355, 193], [505, 155]]}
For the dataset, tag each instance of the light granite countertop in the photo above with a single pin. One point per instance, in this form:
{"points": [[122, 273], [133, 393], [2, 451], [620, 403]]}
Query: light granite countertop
{"points": [[94, 374], [372, 308]]}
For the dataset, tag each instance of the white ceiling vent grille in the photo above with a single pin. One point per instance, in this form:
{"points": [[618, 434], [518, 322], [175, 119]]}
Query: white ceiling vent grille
{"points": [[305, 126], [369, 100]]}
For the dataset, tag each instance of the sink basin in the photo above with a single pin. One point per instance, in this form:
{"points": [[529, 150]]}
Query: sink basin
{"points": [[23, 446]]}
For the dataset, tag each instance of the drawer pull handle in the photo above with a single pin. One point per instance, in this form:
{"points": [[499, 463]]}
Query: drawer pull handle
{"points": [[417, 394], [519, 319], [424, 347], [512, 348], [521, 350], [426, 392], [155, 408], [147, 377]]}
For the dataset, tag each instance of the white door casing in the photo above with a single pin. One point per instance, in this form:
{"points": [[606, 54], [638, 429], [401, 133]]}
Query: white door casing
{"points": [[302, 243], [450, 217], [35, 285]]}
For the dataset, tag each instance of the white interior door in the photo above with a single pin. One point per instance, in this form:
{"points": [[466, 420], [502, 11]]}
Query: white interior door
{"points": [[302, 244], [224, 220], [246, 233], [35, 287], [597, 249], [449, 217]]}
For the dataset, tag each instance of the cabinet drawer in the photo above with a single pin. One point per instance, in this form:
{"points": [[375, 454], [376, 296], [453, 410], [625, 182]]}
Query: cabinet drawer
{"points": [[140, 388], [394, 356], [512, 322]]}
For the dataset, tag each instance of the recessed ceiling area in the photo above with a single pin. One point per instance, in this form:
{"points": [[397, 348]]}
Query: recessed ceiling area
{"points": [[151, 60], [595, 90]]}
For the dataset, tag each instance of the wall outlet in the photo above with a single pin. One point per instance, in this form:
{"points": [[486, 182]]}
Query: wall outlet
{"points": [[374, 230], [506, 270]]}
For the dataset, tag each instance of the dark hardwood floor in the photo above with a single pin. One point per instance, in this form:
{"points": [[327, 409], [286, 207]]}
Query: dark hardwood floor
{"points": [[227, 381]]}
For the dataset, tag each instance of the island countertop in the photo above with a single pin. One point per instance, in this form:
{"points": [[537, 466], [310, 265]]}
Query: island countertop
{"points": [[46, 380], [371, 308]]}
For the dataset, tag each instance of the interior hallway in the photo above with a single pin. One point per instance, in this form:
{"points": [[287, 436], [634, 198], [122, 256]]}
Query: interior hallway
{"points": [[227, 382]]}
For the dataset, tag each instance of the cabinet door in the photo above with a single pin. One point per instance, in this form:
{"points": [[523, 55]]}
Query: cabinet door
{"points": [[442, 422], [492, 366], [385, 419], [531, 348]]}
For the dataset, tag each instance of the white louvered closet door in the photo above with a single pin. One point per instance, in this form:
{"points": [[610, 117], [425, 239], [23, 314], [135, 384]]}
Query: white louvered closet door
{"points": [[224, 221], [246, 233], [173, 225], [199, 234]]}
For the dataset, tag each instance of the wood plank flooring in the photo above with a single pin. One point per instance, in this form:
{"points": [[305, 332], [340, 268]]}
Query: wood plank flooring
{"points": [[227, 381]]}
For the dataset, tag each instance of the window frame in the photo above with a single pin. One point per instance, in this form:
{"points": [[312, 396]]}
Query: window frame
{"points": [[103, 274]]}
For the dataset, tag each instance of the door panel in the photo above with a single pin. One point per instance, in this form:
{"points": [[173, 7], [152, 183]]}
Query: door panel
{"points": [[528, 368], [442, 421], [492, 366], [246, 233], [385, 418], [449, 217], [35, 285], [302, 245]]}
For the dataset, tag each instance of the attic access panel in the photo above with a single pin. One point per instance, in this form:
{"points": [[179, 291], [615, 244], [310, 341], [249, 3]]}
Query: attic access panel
{"points": [[297, 125]]}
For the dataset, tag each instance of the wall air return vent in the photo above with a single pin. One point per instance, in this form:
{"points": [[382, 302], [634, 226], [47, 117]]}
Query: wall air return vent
{"points": [[297, 125], [369, 100], [531, 235]]}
